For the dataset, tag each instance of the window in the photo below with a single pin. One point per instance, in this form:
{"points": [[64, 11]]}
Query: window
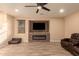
{"points": [[21, 26]]}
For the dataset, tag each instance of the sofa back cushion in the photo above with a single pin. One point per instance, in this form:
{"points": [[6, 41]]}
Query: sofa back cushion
{"points": [[75, 36]]}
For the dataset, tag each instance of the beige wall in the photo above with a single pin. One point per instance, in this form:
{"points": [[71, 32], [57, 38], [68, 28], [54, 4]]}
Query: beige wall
{"points": [[56, 29], [10, 21], [6, 27], [3, 26], [59, 27], [71, 24]]}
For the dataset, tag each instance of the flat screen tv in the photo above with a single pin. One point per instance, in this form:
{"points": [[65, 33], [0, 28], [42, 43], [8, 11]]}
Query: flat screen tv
{"points": [[38, 26]]}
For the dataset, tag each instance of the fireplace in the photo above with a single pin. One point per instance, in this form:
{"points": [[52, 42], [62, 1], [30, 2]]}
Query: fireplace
{"points": [[39, 31]]}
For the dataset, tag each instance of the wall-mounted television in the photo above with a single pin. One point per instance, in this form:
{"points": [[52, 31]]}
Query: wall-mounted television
{"points": [[38, 26]]}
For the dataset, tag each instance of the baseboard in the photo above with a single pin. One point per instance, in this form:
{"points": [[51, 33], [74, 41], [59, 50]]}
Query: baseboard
{"points": [[55, 41]]}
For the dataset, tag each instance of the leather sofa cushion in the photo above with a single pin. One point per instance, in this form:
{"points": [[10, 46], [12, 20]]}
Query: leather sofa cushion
{"points": [[75, 41], [77, 45], [75, 36], [76, 48]]}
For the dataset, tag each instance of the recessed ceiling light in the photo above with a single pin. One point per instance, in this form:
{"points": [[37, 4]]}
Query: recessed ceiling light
{"points": [[61, 10], [16, 10]]}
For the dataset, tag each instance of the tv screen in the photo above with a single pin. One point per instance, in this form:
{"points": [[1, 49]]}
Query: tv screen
{"points": [[38, 26]]}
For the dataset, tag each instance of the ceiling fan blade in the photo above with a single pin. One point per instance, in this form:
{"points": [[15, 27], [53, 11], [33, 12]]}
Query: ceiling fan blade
{"points": [[45, 8], [37, 11], [30, 6], [41, 4]]}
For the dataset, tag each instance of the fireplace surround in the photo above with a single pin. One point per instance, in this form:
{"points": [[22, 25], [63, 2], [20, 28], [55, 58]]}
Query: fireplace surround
{"points": [[39, 31]]}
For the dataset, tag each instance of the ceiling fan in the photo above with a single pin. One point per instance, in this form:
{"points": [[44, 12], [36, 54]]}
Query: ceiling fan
{"points": [[39, 6]]}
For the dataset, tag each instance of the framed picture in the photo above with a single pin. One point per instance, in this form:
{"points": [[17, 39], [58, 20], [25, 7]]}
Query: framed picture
{"points": [[21, 26]]}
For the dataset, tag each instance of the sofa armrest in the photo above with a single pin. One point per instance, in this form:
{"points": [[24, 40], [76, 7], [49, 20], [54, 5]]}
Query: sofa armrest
{"points": [[66, 39]]}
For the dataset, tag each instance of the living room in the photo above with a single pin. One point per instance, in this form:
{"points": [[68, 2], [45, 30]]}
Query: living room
{"points": [[18, 20]]}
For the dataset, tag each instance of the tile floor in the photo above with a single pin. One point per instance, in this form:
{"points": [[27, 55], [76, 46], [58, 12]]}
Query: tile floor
{"points": [[34, 49]]}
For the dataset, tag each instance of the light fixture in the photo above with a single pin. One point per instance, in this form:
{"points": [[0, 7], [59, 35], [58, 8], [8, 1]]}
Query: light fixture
{"points": [[39, 7], [61, 10], [16, 10]]}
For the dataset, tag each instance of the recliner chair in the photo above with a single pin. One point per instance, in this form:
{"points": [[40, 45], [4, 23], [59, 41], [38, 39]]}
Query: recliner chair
{"points": [[71, 44]]}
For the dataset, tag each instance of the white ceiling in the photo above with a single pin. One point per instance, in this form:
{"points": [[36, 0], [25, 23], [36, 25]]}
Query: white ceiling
{"points": [[31, 11]]}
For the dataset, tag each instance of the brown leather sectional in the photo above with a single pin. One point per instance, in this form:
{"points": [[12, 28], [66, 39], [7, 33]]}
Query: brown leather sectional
{"points": [[71, 44]]}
